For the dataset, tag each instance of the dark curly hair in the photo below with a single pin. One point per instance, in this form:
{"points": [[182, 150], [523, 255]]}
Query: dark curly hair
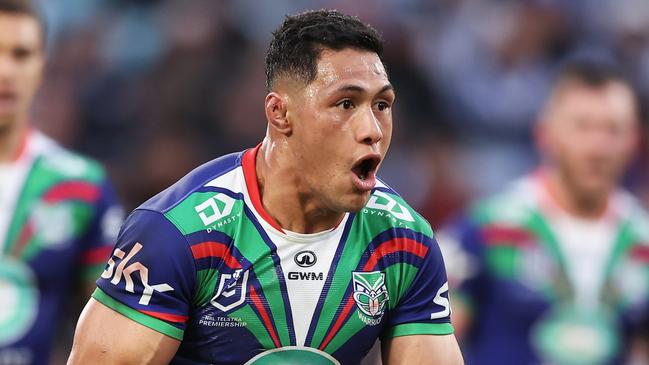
{"points": [[299, 41]]}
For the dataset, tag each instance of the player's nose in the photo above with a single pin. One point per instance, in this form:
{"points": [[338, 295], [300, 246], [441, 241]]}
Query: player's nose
{"points": [[369, 128]]}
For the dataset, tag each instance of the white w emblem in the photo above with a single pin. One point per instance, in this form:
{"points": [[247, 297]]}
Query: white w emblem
{"points": [[370, 292]]}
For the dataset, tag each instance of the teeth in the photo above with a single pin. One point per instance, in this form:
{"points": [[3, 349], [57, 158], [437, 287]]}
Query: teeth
{"points": [[362, 177]]}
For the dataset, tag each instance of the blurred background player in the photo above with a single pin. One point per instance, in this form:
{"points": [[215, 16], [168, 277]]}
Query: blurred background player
{"points": [[555, 269], [58, 214]]}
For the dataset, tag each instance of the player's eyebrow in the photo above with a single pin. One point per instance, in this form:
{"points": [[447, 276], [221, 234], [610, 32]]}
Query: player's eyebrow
{"points": [[360, 90], [386, 88]]}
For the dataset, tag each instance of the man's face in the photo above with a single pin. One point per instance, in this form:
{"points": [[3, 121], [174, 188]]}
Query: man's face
{"points": [[590, 134], [341, 128], [21, 64]]}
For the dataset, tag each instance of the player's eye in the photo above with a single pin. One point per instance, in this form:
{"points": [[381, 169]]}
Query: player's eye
{"points": [[21, 53], [346, 104], [382, 106]]}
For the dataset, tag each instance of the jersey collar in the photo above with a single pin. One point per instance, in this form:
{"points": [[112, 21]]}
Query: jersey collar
{"points": [[248, 163]]}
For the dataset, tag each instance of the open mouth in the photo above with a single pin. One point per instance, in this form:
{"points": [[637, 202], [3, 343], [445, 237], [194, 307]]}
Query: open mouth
{"points": [[365, 172], [366, 167]]}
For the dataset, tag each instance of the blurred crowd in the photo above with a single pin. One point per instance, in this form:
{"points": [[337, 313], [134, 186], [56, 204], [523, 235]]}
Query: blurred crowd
{"points": [[152, 88]]}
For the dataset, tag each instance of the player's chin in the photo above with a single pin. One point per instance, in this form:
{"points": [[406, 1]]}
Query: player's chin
{"points": [[355, 201]]}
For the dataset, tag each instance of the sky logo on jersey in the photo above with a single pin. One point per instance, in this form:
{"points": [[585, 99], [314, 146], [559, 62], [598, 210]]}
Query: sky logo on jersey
{"points": [[217, 207], [124, 272], [382, 201], [232, 290], [370, 295]]}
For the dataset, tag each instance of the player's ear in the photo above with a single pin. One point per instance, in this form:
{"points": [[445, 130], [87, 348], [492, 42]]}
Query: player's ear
{"points": [[276, 113]]}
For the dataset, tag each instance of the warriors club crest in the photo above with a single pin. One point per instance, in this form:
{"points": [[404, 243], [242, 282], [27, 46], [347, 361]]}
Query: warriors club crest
{"points": [[370, 295]]}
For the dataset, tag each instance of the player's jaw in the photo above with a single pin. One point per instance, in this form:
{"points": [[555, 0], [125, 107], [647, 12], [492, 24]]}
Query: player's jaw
{"points": [[595, 177]]}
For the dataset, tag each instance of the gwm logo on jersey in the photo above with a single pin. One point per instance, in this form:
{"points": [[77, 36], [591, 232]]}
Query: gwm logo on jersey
{"points": [[382, 201], [232, 290], [305, 258], [370, 295], [217, 207]]}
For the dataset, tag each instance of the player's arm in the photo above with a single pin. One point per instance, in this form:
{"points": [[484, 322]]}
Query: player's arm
{"points": [[104, 336], [421, 349], [139, 311], [420, 330]]}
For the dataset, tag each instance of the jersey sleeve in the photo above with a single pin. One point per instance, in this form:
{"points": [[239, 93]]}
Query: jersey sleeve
{"points": [[151, 276], [425, 309], [101, 234]]}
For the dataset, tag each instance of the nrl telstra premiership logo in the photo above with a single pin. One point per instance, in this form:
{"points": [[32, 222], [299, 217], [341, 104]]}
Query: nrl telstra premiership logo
{"points": [[370, 295]]}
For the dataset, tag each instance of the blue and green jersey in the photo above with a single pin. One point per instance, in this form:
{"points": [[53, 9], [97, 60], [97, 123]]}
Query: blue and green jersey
{"points": [[59, 219], [202, 262], [544, 286]]}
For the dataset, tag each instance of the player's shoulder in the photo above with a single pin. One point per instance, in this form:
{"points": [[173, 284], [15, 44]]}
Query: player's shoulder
{"points": [[386, 209], [62, 163], [195, 181], [207, 196]]}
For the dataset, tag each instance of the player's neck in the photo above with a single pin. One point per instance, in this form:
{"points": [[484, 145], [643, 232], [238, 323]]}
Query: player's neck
{"points": [[284, 197], [572, 201], [12, 139]]}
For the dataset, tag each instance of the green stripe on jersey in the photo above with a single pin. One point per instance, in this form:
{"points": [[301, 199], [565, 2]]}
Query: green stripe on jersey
{"points": [[207, 279], [206, 211], [251, 245], [35, 183], [409, 329], [399, 278], [141, 318], [354, 247]]}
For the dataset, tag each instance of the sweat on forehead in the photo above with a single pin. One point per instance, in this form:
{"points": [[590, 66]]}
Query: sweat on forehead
{"points": [[348, 63]]}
